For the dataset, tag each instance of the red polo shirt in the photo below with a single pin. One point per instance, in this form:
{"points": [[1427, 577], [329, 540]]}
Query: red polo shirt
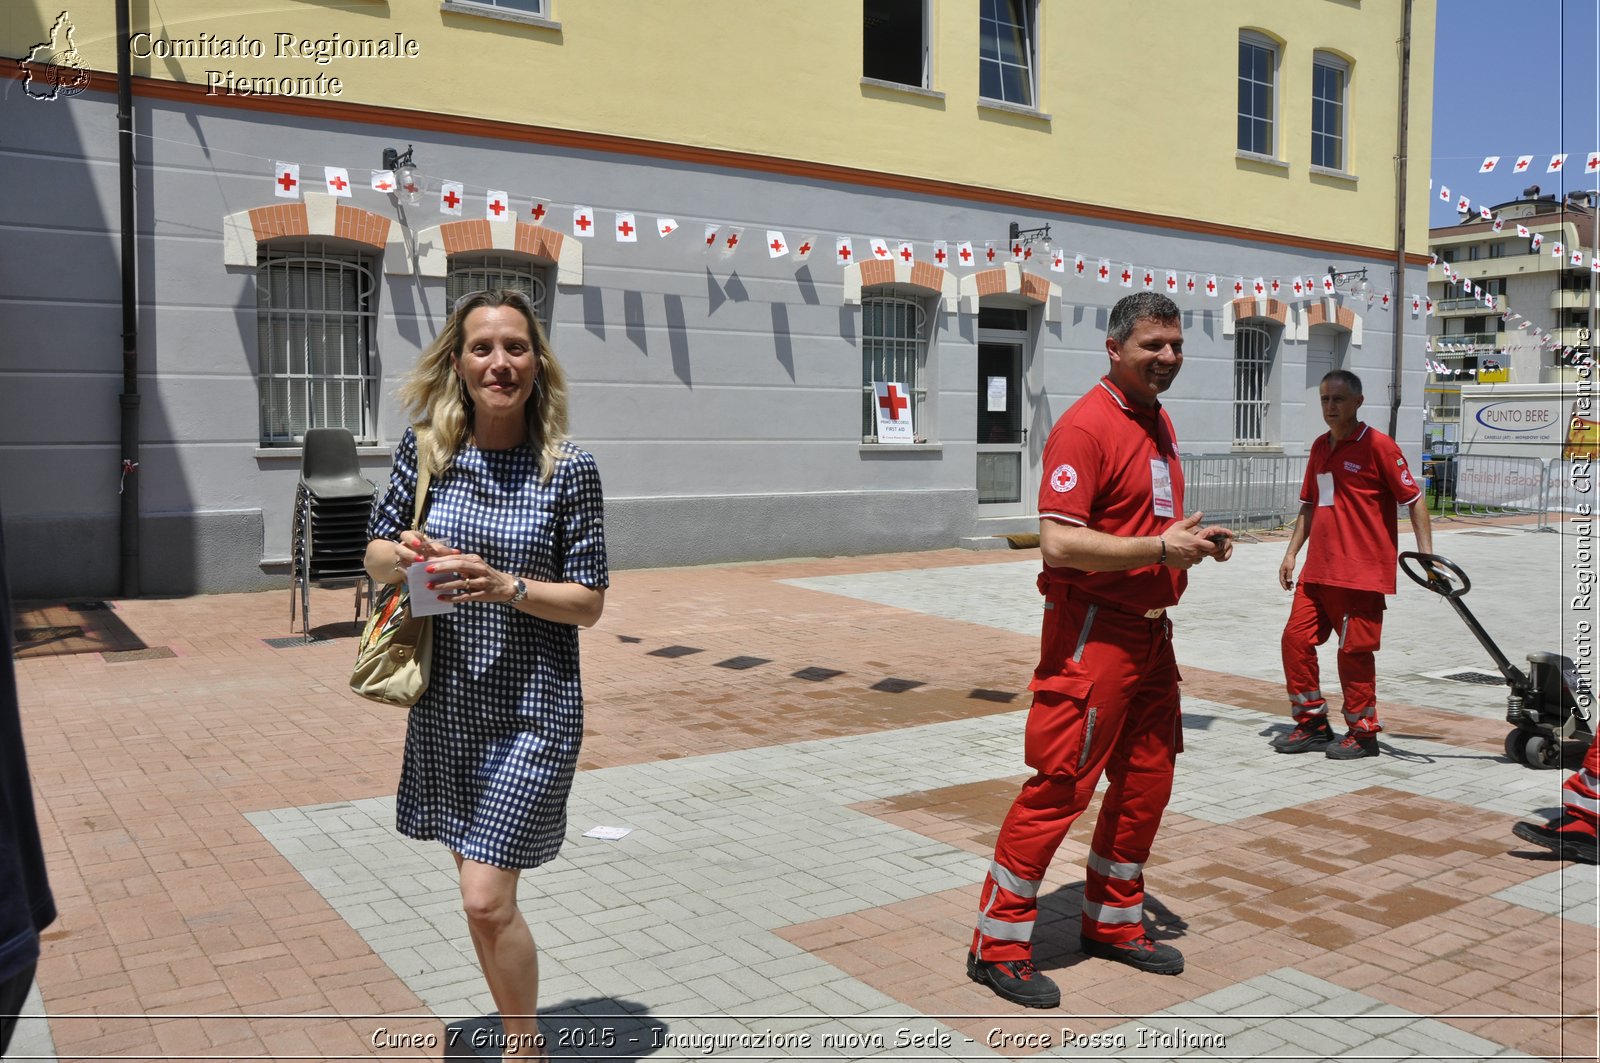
{"points": [[1355, 533], [1098, 474]]}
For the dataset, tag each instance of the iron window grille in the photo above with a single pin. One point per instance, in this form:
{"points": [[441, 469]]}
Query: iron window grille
{"points": [[471, 273], [1252, 365]]}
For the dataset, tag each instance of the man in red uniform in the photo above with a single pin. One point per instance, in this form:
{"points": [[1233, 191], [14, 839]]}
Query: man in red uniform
{"points": [[1355, 480], [1576, 835], [1116, 546]]}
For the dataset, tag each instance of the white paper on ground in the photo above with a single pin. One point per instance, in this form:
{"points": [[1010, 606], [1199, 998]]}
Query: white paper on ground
{"points": [[609, 834]]}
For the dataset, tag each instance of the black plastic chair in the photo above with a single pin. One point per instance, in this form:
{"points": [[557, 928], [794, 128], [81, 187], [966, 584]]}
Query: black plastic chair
{"points": [[332, 505]]}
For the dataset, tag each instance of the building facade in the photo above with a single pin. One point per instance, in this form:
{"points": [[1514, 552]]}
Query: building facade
{"points": [[726, 390]]}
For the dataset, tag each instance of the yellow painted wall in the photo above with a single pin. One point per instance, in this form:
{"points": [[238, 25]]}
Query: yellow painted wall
{"points": [[1142, 94]]}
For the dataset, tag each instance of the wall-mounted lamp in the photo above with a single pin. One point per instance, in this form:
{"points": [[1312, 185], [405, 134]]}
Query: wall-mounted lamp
{"points": [[1353, 281], [405, 173], [1027, 236]]}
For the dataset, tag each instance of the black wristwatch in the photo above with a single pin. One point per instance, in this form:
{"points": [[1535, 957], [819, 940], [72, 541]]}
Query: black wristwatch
{"points": [[520, 593]]}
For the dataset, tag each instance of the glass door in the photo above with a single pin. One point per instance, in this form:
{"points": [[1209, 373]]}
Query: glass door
{"points": [[1002, 439]]}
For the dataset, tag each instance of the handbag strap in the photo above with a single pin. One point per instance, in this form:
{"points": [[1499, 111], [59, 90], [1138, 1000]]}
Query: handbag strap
{"points": [[419, 505]]}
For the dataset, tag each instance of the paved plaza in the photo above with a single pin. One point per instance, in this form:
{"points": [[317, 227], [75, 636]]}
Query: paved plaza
{"points": [[812, 759]]}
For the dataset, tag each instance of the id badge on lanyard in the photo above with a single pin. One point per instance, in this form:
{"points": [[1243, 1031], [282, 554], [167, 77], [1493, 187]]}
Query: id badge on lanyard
{"points": [[1161, 487]]}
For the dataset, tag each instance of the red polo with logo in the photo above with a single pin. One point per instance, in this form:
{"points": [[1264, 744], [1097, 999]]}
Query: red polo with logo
{"points": [[1355, 539], [1098, 474]]}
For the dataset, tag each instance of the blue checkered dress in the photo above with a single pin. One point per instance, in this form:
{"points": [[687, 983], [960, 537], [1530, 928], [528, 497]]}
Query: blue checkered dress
{"points": [[492, 746]]}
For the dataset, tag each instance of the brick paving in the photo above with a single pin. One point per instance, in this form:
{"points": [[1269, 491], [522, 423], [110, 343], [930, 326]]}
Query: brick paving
{"points": [[814, 756]]}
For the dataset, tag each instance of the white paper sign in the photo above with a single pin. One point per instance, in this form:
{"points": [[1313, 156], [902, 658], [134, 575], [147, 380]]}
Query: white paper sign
{"points": [[892, 402], [609, 834], [997, 394], [424, 600], [1324, 488]]}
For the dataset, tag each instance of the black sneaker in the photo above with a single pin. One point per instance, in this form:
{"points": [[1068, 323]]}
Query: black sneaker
{"points": [[1141, 952], [1016, 980], [1353, 747], [1305, 736], [1567, 844]]}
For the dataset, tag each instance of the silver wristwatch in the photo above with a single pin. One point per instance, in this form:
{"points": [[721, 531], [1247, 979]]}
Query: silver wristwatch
{"points": [[521, 593]]}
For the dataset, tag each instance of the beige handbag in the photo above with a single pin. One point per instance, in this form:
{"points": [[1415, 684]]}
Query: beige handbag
{"points": [[396, 648]]}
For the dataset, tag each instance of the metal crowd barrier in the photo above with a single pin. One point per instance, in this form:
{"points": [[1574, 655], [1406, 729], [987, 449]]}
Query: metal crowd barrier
{"points": [[1495, 486], [1243, 490]]}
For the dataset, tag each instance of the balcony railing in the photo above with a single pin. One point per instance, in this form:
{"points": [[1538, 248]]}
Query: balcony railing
{"points": [[1567, 299], [1468, 305], [1478, 341]]}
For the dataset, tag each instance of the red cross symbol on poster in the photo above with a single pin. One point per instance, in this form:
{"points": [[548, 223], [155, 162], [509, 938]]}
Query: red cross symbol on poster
{"points": [[893, 402]]}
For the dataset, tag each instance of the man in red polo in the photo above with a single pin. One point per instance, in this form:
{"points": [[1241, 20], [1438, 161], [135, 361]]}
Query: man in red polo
{"points": [[1116, 548], [1355, 481]]}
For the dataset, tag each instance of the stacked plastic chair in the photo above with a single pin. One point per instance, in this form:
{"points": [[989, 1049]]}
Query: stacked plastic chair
{"points": [[331, 508]]}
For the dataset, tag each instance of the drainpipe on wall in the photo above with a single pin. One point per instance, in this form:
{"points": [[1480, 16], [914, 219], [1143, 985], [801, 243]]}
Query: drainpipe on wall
{"points": [[129, 478], [1400, 223]]}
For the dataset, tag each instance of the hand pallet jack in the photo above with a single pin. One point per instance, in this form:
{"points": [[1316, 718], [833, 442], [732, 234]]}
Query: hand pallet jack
{"points": [[1548, 705]]}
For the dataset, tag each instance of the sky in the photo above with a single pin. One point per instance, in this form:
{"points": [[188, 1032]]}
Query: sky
{"points": [[1499, 71]]}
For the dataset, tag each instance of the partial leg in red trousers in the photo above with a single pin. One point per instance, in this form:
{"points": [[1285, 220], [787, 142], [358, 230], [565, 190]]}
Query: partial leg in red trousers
{"points": [[1574, 835], [1307, 628]]}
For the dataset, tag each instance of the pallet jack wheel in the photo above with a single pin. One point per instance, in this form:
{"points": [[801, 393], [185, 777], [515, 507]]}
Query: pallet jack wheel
{"points": [[1541, 752], [1517, 744]]}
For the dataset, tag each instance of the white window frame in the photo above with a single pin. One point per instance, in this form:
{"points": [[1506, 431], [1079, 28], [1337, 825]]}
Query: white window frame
{"points": [[528, 12], [294, 395], [472, 271], [1253, 353], [886, 357], [1253, 39], [926, 82], [1340, 66], [1030, 29]]}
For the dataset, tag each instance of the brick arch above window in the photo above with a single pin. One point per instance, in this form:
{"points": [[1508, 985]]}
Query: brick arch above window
{"points": [[922, 278], [1263, 310], [436, 245], [316, 215], [1329, 314], [1010, 279]]}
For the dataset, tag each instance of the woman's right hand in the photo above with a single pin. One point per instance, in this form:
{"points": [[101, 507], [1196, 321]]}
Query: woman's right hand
{"points": [[415, 546]]}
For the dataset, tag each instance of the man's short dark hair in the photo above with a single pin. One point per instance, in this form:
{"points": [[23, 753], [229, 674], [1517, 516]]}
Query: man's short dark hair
{"points": [[1345, 377], [1141, 306]]}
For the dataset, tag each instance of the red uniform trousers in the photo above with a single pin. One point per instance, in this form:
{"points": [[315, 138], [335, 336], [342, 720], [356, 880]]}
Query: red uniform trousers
{"points": [[1581, 794], [1318, 610], [1112, 708]]}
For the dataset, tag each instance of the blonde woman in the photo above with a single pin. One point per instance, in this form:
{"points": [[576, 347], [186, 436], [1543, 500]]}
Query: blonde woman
{"points": [[492, 746]]}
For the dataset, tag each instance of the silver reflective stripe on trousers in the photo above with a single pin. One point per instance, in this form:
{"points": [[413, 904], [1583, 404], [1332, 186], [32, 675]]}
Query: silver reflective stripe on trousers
{"points": [[1013, 883], [1101, 866], [1368, 713], [1306, 698], [1083, 636], [1344, 629], [1000, 931], [1088, 738], [1588, 804], [1103, 913], [1588, 781]]}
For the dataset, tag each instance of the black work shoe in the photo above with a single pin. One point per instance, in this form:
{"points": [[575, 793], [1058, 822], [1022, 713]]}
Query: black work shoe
{"points": [[1353, 747], [1016, 980], [1305, 736], [1567, 844], [1141, 952]]}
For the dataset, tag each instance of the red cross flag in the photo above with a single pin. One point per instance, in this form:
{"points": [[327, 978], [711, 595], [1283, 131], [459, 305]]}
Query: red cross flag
{"points": [[1058, 261], [892, 405], [841, 250], [1298, 287], [1538, 241], [1259, 286], [1211, 286], [538, 211], [1385, 300], [1416, 305], [730, 241], [627, 230], [1149, 279], [802, 254], [1556, 162], [880, 249], [964, 254], [666, 227], [383, 180], [338, 179], [711, 237], [450, 198], [1078, 264], [1327, 284], [1125, 278], [583, 221], [1489, 164], [941, 254], [1102, 272], [1274, 286], [1557, 251], [906, 253], [1593, 164], [1522, 231], [1444, 193], [1499, 225], [1485, 213], [1172, 282], [1463, 204], [497, 206], [1238, 287], [777, 246], [1016, 251], [988, 251], [1577, 256], [1523, 162], [1188, 283], [286, 175], [1594, 264]]}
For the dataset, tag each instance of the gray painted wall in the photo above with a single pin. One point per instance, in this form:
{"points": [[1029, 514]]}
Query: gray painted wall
{"points": [[721, 398]]}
